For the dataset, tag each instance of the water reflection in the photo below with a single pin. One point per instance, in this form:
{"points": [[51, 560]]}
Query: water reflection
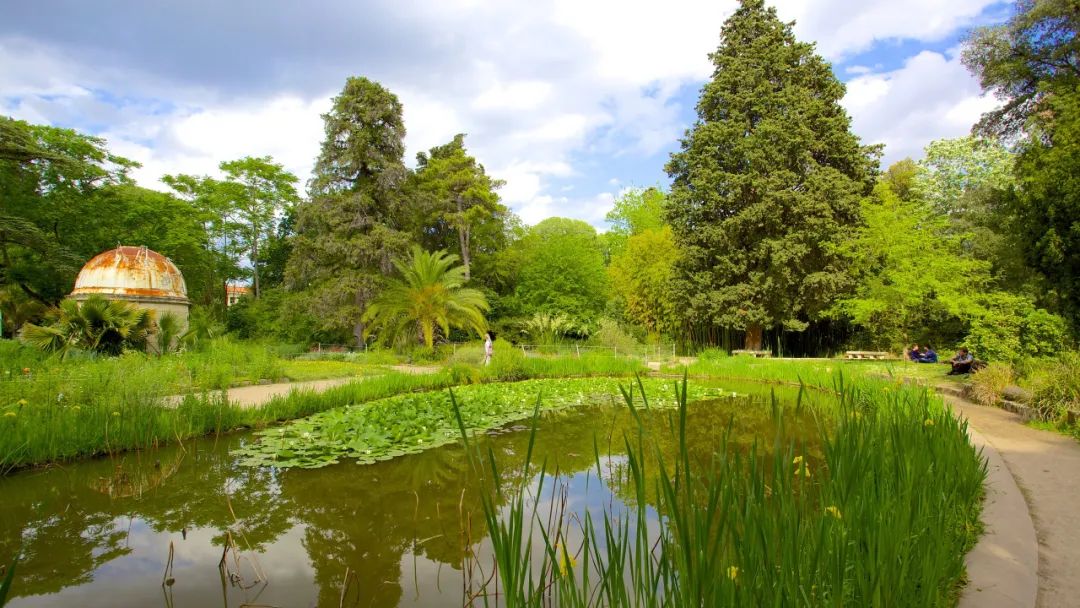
{"points": [[97, 533]]}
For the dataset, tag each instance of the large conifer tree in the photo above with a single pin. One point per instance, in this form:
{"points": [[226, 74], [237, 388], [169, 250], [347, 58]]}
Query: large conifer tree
{"points": [[769, 178], [350, 231]]}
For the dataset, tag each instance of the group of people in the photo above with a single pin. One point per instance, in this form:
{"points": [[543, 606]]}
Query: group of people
{"points": [[961, 363]]}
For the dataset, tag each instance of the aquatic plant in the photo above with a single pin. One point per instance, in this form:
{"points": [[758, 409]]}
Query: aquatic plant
{"points": [[883, 520], [406, 424]]}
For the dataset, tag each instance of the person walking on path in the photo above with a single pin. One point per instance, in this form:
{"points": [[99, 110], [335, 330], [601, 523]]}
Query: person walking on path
{"points": [[489, 346]]}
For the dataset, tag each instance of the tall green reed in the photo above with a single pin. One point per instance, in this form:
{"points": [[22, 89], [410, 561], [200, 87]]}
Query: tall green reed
{"points": [[882, 519]]}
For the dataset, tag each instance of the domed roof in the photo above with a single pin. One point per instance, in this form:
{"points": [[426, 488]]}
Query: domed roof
{"points": [[133, 272]]}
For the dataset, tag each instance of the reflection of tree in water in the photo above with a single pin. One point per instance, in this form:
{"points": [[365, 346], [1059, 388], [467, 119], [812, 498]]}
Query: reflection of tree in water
{"points": [[68, 525], [366, 518]]}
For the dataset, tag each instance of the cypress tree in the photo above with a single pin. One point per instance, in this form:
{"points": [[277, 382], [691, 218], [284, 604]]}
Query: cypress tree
{"points": [[767, 182]]}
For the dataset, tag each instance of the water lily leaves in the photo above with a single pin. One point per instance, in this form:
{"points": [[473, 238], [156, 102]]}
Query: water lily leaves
{"points": [[413, 422]]}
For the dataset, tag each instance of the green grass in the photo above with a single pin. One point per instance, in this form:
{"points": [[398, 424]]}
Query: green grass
{"points": [[814, 372], [883, 520], [110, 405]]}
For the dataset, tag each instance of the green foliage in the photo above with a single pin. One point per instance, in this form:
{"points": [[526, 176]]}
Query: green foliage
{"points": [[96, 325], [988, 383], [1007, 327], [67, 198], [456, 195], [352, 228], [1056, 387], [429, 296], [245, 207], [955, 170], [562, 270], [547, 329], [757, 527], [411, 423], [641, 275], [1047, 201], [635, 211], [609, 334], [914, 280], [1025, 62], [766, 184]]}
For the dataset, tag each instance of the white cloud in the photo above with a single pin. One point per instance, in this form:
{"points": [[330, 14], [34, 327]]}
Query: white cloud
{"points": [[845, 27], [931, 97], [543, 89]]}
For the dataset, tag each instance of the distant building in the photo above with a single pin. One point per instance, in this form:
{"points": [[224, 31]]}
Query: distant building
{"points": [[233, 293], [138, 275]]}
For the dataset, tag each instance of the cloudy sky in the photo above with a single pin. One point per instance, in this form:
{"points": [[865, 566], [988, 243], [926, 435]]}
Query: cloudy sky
{"points": [[569, 101]]}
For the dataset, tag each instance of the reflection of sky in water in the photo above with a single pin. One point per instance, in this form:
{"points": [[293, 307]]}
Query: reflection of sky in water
{"points": [[395, 525]]}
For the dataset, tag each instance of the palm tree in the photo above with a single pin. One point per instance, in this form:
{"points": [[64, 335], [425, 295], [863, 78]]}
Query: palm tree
{"points": [[428, 296], [97, 325]]}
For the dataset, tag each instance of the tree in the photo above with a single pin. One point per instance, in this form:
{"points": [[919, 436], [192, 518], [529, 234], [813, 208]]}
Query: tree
{"points": [[914, 281], [767, 183], [634, 212], [350, 230], [902, 177], [48, 179], [562, 270], [956, 170], [1046, 202], [461, 196], [260, 192], [641, 275], [429, 296], [1026, 61]]}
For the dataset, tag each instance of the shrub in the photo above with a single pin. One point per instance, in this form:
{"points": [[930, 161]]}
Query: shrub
{"points": [[988, 384], [1056, 388], [611, 335], [1009, 327]]}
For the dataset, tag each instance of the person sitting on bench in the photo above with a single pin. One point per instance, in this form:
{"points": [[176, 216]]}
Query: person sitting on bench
{"points": [[928, 355], [961, 363], [913, 354]]}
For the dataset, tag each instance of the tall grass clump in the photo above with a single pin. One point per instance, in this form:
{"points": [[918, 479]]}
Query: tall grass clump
{"points": [[1055, 387], [988, 384], [882, 518]]}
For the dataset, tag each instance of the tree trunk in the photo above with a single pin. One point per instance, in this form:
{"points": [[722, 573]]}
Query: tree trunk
{"points": [[463, 239], [358, 327], [753, 338], [255, 264]]}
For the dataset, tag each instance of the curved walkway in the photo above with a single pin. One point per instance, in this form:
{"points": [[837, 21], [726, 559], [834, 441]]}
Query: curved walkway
{"points": [[1046, 467]]}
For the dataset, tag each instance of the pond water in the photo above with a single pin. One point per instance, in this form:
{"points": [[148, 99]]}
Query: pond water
{"points": [[406, 532]]}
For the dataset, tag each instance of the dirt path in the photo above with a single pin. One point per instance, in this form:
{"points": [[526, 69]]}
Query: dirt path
{"points": [[258, 394], [1046, 466]]}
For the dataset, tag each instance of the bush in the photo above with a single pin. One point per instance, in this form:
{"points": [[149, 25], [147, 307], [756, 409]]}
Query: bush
{"points": [[1010, 328], [1056, 387], [611, 335], [988, 384]]}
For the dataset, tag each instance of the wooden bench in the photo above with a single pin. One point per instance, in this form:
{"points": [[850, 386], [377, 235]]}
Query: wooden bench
{"points": [[867, 354], [753, 353]]}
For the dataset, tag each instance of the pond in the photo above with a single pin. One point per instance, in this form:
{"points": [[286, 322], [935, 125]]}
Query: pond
{"points": [[404, 532]]}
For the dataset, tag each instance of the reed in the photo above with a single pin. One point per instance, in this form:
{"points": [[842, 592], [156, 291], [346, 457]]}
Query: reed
{"points": [[883, 518]]}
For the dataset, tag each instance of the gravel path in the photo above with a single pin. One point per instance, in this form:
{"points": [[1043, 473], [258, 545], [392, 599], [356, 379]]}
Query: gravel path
{"points": [[258, 394], [1046, 466]]}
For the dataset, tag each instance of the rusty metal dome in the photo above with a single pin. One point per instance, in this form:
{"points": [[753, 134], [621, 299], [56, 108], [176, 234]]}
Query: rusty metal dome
{"points": [[131, 273]]}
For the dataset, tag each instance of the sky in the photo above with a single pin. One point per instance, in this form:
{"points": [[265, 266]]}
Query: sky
{"points": [[570, 102]]}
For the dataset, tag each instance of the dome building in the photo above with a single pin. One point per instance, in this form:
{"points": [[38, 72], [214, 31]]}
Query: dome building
{"points": [[138, 275]]}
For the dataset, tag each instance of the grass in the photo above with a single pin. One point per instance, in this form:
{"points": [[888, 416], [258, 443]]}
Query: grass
{"points": [[110, 405], [813, 372], [883, 520]]}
